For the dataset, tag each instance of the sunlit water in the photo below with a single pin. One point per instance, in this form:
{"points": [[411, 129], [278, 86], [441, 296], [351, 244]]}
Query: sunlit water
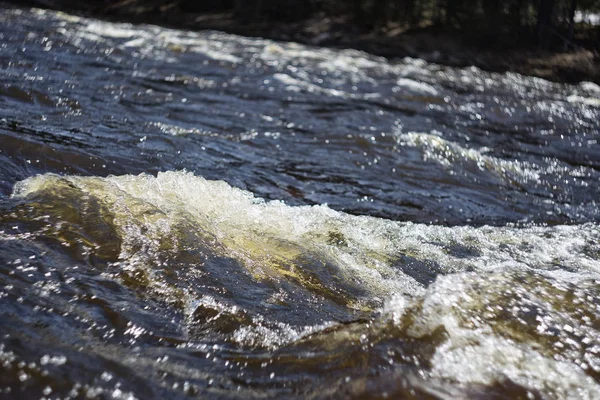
{"points": [[201, 214]]}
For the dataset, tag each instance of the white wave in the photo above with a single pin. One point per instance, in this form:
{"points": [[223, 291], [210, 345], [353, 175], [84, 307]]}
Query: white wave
{"points": [[297, 85], [415, 86], [488, 278], [452, 155], [448, 153], [365, 248], [508, 326], [590, 101]]}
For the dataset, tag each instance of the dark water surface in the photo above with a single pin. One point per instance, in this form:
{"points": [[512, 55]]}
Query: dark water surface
{"points": [[201, 214]]}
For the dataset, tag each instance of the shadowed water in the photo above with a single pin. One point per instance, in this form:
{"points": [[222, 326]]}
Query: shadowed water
{"points": [[200, 214]]}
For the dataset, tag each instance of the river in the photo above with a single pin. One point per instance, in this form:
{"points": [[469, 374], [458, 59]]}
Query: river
{"points": [[198, 214]]}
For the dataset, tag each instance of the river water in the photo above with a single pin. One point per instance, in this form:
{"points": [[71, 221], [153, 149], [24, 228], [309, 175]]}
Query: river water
{"points": [[206, 215]]}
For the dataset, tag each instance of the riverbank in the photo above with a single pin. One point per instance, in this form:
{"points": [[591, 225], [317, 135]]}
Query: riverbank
{"points": [[581, 63], [576, 65]]}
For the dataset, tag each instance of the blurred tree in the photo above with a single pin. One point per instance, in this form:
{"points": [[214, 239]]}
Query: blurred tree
{"points": [[544, 22], [572, 21]]}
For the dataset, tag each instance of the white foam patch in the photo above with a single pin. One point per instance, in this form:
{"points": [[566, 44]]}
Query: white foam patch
{"points": [[416, 86], [110, 30], [481, 314], [260, 332], [350, 65], [477, 350], [590, 87], [366, 248], [297, 85], [491, 359], [590, 101], [149, 40], [587, 93], [448, 153], [452, 155]]}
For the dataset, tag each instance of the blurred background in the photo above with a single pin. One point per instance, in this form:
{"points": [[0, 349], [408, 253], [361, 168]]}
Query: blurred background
{"points": [[554, 39]]}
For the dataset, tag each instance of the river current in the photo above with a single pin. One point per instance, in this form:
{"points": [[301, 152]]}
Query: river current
{"points": [[197, 214]]}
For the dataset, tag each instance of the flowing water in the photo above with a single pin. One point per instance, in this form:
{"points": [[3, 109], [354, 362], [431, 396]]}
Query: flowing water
{"points": [[206, 215]]}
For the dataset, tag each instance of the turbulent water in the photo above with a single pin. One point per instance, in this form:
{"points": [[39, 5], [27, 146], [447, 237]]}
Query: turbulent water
{"points": [[206, 215]]}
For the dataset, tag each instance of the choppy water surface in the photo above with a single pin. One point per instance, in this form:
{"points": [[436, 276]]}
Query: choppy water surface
{"points": [[201, 214]]}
